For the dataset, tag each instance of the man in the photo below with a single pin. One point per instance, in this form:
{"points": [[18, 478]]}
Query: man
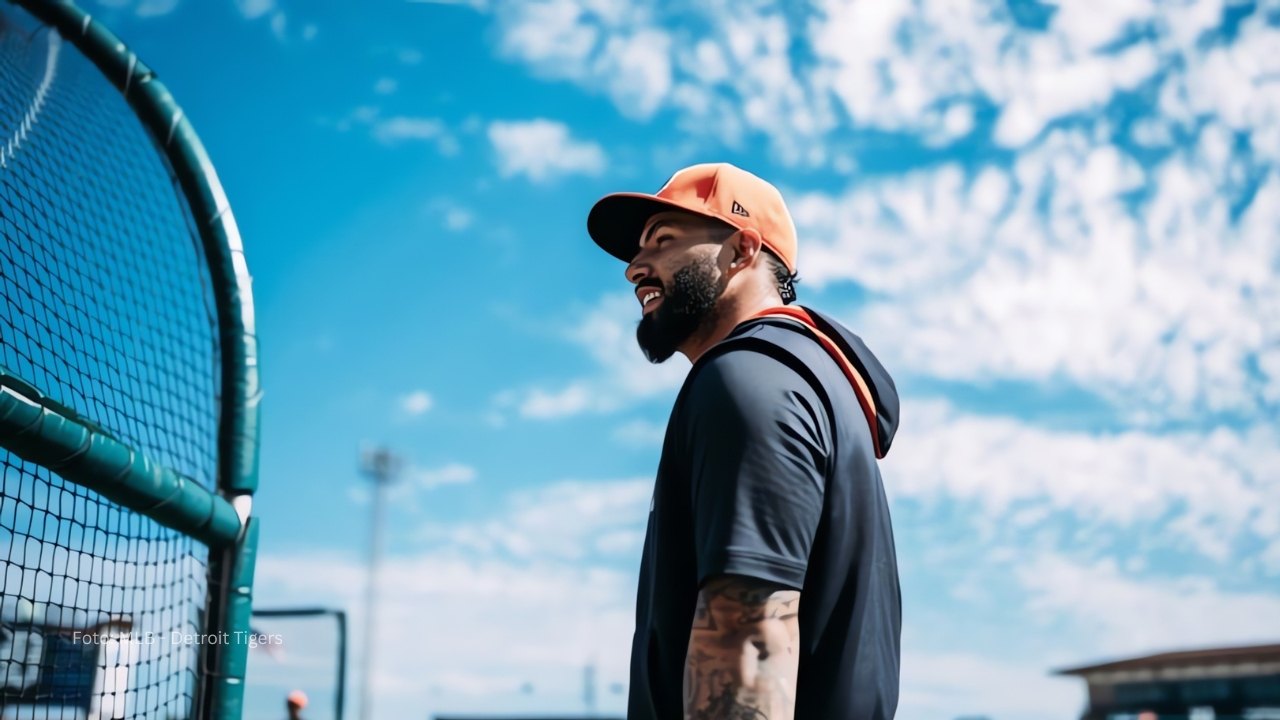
{"points": [[295, 703], [769, 584]]}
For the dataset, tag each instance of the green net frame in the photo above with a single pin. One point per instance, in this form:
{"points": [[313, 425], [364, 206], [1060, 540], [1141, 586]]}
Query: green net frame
{"points": [[129, 384]]}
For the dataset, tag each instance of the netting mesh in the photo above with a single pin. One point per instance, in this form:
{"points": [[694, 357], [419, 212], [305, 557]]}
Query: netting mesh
{"points": [[105, 308]]}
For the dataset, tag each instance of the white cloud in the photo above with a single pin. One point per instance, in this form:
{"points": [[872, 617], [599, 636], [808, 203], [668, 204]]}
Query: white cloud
{"points": [[572, 399], [253, 9], [394, 129], [278, 25], [479, 684], [155, 8], [400, 129], [359, 494], [608, 46], [363, 114], [567, 520], [440, 616], [1208, 494], [1270, 557], [1152, 132], [1060, 513], [452, 216], [475, 4], [606, 332], [248, 9], [917, 67], [458, 219], [741, 76], [537, 576], [1119, 614], [957, 121], [416, 403], [900, 234], [640, 433], [144, 8], [385, 86], [1238, 84], [640, 68], [1022, 274], [452, 474], [1027, 270], [563, 40], [405, 492], [1077, 613], [621, 543], [547, 547], [1054, 91], [1026, 266], [542, 149], [959, 684]]}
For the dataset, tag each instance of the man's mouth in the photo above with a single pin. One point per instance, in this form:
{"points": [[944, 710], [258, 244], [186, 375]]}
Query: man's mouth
{"points": [[649, 298]]}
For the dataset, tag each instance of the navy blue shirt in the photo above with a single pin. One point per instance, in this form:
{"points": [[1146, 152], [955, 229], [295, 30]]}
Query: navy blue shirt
{"points": [[768, 470]]}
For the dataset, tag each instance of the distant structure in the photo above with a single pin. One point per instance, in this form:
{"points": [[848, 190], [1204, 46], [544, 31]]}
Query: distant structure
{"points": [[1212, 683]]}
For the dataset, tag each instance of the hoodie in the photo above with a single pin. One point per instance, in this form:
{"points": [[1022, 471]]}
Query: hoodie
{"points": [[870, 381], [769, 474]]}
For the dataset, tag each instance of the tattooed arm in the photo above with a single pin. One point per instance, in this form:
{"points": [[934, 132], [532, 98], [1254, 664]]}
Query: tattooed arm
{"points": [[744, 651]]}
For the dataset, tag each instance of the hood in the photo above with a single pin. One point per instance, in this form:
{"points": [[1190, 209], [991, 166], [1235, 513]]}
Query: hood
{"points": [[871, 382]]}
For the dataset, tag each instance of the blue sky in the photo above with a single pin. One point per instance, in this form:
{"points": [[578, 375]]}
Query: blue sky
{"points": [[1055, 223]]}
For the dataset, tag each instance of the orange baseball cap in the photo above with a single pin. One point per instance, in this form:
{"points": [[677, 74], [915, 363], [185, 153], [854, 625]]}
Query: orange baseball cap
{"points": [[298, 698], [715, 190]]}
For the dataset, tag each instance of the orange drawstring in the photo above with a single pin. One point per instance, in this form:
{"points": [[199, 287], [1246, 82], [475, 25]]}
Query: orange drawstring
{"points": [[855, 378]]}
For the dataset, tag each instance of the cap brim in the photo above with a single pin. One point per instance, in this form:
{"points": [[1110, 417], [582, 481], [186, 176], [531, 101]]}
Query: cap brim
{"points": [[616, 220]]}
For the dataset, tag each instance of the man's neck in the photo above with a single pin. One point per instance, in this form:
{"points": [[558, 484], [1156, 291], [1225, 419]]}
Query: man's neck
{"points": [[732, 313]]}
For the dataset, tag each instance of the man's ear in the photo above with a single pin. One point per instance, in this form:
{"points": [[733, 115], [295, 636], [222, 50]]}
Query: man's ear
{"points": [[746, 246]]}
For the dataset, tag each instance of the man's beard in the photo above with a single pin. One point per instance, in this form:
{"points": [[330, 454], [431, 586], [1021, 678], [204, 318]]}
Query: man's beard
{"points": [[687, 307]]}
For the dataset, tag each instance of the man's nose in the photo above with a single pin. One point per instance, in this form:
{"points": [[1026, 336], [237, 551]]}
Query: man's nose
{"points": [[637, 271]]}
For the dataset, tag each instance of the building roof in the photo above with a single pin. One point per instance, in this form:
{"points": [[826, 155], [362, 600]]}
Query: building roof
{"points": [[1260, 654]]}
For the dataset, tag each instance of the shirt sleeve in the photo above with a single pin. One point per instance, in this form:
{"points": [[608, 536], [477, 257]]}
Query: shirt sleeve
{"points": [[759, 441]]}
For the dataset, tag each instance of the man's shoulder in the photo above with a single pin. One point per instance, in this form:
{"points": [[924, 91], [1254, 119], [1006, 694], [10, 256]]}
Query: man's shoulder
{"points": [[763, 360], [768, 349]]}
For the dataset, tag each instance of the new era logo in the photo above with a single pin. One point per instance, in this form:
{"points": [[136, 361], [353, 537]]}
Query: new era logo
{"points": [[739, 210]]}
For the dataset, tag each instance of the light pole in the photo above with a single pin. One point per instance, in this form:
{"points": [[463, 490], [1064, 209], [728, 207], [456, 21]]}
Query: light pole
{"points": [[381, 466], [589, 687]]}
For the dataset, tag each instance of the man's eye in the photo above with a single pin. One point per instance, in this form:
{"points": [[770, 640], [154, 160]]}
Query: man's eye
{"points": [[661, 239]]}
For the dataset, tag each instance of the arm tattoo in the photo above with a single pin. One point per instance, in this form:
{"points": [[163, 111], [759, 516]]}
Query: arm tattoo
{"points": [[744, 651]]}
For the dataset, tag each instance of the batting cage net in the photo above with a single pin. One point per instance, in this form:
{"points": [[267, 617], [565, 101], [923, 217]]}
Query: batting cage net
{"points": [[118, 539]]}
